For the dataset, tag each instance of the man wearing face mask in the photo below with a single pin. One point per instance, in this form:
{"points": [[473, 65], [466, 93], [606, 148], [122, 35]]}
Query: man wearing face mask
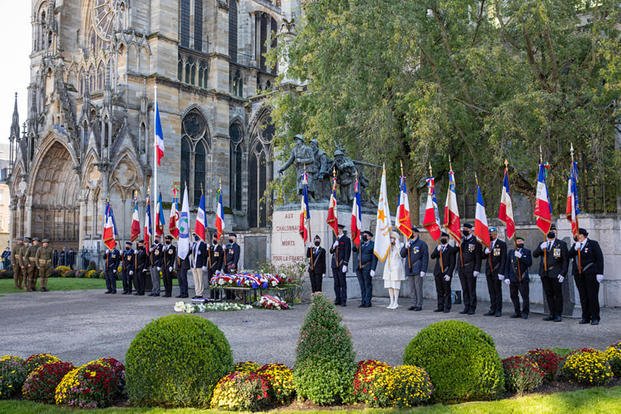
{"points": [[589, 274], [232, 254], [169, 257], [128, 268], [316, 264], [365, 268], [518, 262], [112, 258], [198, 264], [553, 270], [416, 254], [156, 256], [469, 256], [443, 272], [141, 269], [341, 252], [495, 262], [215, 259]]}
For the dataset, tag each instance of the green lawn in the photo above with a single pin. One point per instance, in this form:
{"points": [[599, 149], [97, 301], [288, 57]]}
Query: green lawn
{"points": [[590, 401], [59, 283]]}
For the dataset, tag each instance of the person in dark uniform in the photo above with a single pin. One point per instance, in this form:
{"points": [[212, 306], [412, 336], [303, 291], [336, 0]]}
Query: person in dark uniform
{"points": [[215, 261], [553, 270], [468, 262], [141, 269], [365, 263], [169, 259], [589, 273], [443, 272], [156, 260], [495, 257], [517, 278], [316, 264], [341, 252], [182, 276], [112, 259], [416, 254], [232, 254], [128, 268]]}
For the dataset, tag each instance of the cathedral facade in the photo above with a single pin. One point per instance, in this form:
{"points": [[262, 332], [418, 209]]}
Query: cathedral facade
{"points": [[96, 67]]}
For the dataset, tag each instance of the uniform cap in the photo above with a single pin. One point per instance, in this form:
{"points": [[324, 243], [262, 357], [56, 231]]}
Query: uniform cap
{"points": [[519, 238], [467, 225], [583, 232], [415, 230], [128, 243], [341, 226], [232, 235], [36, 239], [168, 237], [45, 241], [444, 234], [493, 229], [368, 232]]}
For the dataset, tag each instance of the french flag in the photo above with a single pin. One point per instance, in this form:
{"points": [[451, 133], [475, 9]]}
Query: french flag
{"points": [[174, 216], [543, 209], [505, 212], [356, 215], [220, 225], [159, 135], [160, 220], [135, 228], [201, 222], [147, 231], [109, 228], [333, 219], [304, 211], [404, 222], [573, 209], [481, 230], [431, 220], [451, 211]]}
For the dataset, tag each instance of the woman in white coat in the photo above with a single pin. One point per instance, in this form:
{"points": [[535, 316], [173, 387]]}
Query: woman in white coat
{"points": [[393, 271]]}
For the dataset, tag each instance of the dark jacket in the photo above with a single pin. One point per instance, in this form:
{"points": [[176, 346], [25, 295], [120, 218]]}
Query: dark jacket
{"points": [[141, 260], [169, 258], [341, 254], [365, 259], [469, 254], [112, 259], [416, 254], [232, 254], [317, 256], [199, 255], [448, 261], [156, 255], [525, 262], [129, 261], [557, 259], [498, 257], [591, 258], [215, 256]]}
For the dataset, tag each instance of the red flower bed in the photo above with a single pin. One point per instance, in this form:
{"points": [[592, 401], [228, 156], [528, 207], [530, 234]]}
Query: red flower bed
{"points": [[547, 360], [364, 376], [41, 383], [521, 374]]}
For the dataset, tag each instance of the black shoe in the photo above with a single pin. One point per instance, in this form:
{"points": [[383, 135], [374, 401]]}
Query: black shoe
{"points": [[418, 309], [465, 311], [167, 296], [113, 292], [584, 321], [369, 305], [498, 314], [44, 290], [136, 294], [557, 319], [179, 296], [337, 303], [107, 292], [490, 313], [438, 310], [183, 296], [412, 308], [362, 305], [471, 312], [515, 316], [595, 322], [548, 318], [525, 316], [446, 310], [344, 305]]}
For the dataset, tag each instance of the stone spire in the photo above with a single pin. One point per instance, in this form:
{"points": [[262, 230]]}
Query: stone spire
{"points": [[15, 123]]}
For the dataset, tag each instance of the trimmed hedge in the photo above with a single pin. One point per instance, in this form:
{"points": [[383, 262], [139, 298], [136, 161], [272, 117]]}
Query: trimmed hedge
{"points": [[176, 361], [461, 360]]}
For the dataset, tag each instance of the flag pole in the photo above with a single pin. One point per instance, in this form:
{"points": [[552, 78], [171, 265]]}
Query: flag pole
{"points": [[519, 275], [437, 241], [155, 142], [405, 240], [489, 256], [573, 201], [461, 252], [545, 255]]}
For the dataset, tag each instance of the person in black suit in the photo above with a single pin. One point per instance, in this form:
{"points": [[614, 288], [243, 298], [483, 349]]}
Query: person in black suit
{"points": [[341, 252], [553, 270], [366, 263], [156, 255], [232, 254], [169, 259], [112, 258], [316, 264], [141, 269], [496, 262], [215, 260], [589, 273], [517, 278], [469, 256], [128, 268], [443, 272]]}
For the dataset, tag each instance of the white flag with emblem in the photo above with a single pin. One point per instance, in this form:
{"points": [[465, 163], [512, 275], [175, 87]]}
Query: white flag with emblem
{"points": [[183, 246], [383, 226]]}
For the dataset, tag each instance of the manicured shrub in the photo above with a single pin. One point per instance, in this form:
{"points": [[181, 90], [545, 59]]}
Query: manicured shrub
{"points": [[548, 361], [587, 366], [280, 378], [364, 376], [613, 353], [35, 361], [40, 386], [325, 365], [522, 374], [13, 373], [92, 385], [247, 366], [176, 361], [402, 386], [461, 360], [241, 391]]}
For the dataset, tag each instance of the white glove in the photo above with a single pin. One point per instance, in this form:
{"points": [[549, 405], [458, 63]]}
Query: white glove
{"points": [[308, 245], [560, 278], [508, 282], [447, 278], [487, 250], [501, 277], [475, 273], [575, 246], [518, 254], [335, 245], [439, 247], [170, 268], [204, 268], [543, 245], [372, 273], [159, 268], [131, 272], [114, 271], [422, 274], [324, 275], [600, 278], [344, 269]]}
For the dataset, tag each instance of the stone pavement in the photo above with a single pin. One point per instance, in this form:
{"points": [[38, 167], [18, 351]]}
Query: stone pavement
{"points": [[82, 325]]}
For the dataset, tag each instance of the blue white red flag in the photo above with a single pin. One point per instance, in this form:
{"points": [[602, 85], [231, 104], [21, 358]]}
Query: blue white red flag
{"points": [[159, 135], [356, 215], [160, 220], [573, 207], [201, 221], [505, 212], [403, 220], [304, 211], [109, 228], [173, 221], [451, 211], [147, 231], [543, 209], [431, 221], [333, 219], [220, 225], [481, 229], [135, 228]]}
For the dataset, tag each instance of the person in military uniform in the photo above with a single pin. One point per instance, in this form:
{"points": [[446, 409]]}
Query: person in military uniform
{"points": [[469, 256], [18, 276], [316, 256], [128, 267], [302, 156], [141, 270], [232, 254], [168, 265], [112, 259], [517, 278], [416, 253], [443, 272], [198, 264], [24, 262], [341, 252], [215, 261], [32, 264], [44, 263], [156, 255], [365, 263], [495, 264], [589, 274], [182, 276], [553, 270]]}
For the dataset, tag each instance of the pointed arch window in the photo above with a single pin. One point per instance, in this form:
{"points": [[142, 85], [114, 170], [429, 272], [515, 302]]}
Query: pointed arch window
{"points": [[259, 175], [186, 154], [236, 167], [194, 153]]}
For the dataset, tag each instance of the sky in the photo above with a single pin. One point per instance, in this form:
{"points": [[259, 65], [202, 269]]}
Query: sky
{"points": [[15, 47]]}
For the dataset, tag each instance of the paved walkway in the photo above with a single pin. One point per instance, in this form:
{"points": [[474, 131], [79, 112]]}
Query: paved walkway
{"points": [[80, 326]]}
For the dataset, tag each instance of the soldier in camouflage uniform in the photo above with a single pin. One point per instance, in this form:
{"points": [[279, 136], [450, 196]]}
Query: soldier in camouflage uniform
{"points": [[44, 263], [31, 265], [18, 275]]}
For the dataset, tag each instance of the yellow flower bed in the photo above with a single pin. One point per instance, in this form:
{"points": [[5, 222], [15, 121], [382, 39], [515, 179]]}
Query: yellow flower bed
{"points": [[401, 386], [588, 367], [613, 354]]}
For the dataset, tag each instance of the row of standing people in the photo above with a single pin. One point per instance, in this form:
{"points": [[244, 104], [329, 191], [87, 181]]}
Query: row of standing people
{"points": [[32, 261]]}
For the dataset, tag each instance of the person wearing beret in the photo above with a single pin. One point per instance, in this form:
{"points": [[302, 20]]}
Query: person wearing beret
{"points": [[341, 253], [517, 278], [365, 263], [589, 274], [443, 272], [316, 256], [553, 271], [416, 254], [468, 262], [169, 259]]}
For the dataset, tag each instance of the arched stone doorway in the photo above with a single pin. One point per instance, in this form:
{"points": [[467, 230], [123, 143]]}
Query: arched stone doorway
{"points": [[55, 206]]}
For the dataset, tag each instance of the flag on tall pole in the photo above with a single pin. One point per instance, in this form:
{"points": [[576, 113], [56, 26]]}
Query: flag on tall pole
{"points": [[543, 209], [159, 134], [135, 228], [109, 228], [451, 211], [505, 212], [356, 215], [333, 218], [573, 207], [147, 232], [220, 225], [383, 226], [304, 211], [431, 221], [481, 229], [173, 220], [403, 222], [183, 247], [201, 221], [160, 220]]}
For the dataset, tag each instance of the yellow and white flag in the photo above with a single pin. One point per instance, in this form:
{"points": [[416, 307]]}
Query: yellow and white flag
{"points": [[383, 226]]}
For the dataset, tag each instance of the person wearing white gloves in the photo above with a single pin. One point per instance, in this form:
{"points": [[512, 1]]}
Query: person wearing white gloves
{"points": [[393, 271], [128, 268], [443, 272], [416, 254], [552, 270], [365, 263], [468, 262], [517, 278], [156, 257], [341, 252], [169, 259], [495, 257], [588, 269], [316, 256]]}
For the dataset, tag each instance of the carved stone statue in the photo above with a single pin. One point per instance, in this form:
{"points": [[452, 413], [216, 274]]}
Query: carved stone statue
{"points": [[322, 166], [346, 172], [302, 156]]}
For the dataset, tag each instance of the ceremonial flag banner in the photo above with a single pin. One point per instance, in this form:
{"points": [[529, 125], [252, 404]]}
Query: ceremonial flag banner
{"points": [[383, 226], [201, 222], [481, 230], [160, 221], [543, 209], [183, 247], [451, 211], [220, 225], [404, 223], [173, 221], [356, 215], [505, 212], [333, 219], [159, 135], [431, 220], [147, 232], [573, 208], [304, 210], [135, 228], [109, 228]]}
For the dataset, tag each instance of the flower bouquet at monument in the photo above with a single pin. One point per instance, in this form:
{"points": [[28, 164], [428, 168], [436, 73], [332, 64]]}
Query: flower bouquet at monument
{"points": [[272, 302], [222, 279]]}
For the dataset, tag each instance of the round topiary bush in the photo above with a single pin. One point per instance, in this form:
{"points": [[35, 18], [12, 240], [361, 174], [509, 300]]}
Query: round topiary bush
{"points": [[92, 385], [587, 366], [522, 374], [40, 386], [402, 387], [35, 361], [547, 360], [461, 360], [280, 378], [613, 353], [176, 361], [325, 359], [242, 391], [13, 373]]}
